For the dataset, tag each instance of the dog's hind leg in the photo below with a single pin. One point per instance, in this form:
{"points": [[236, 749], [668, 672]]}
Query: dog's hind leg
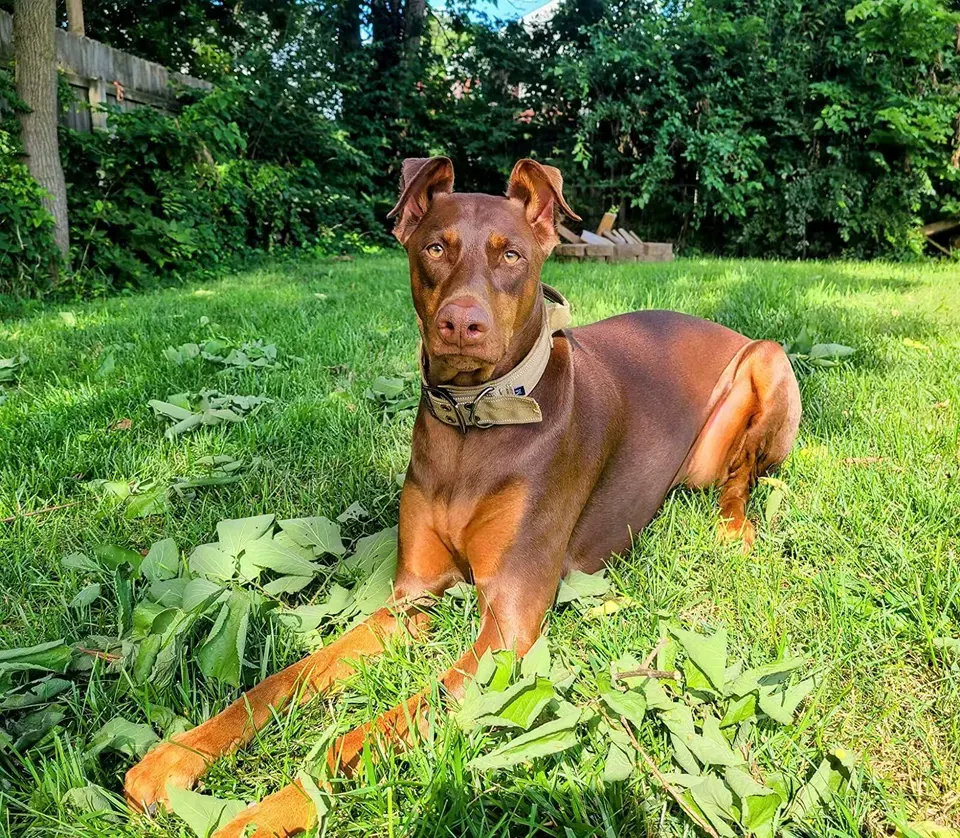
{"points": [[510, 620], [750, 431]]}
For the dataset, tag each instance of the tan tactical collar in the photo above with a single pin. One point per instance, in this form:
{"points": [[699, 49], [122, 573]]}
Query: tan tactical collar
{"points": [[505, 400]]}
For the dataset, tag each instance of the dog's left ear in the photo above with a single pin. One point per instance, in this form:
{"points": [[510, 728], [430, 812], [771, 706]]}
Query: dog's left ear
{"points": [[540, 189], [422, 179]]}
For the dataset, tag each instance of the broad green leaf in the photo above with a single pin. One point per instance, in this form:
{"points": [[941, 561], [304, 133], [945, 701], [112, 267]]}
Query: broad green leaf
{"points": [[78, 561], [153, 502], [773, 505], [374, 591], [124, 737], [53, 657], [282, 555], [774, 672], [372, 551], [199, 593], [711, 730], [354, 512], [758, 803], [389, 388], [318, 533], [308, 617], [172, 411], [524, 706], [537, 659], [678, 719], [212, 561], [618, 765], [577, 585], [710, 752], [505, 661], [716, 802], [829, 350], [87, 596], [37, 695], [221, 656], [739, 710], [683, 756], [322, 801], [144, 614], [162, 562], [287, 585], [33, 727], [123, 590], [835, 773], [201, 812], [168, 592], [709, 654], [925, 829], [656, 696], [93, 800], [236, 533], [549, 738], [630, 704], [780, 704], [114, 557]]}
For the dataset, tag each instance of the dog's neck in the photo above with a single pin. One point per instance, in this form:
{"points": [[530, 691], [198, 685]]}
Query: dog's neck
{"points": [[523, 340]]}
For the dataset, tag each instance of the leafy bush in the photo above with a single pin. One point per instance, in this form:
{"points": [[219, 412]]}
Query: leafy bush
{"points": [[160, 195], [27, 246]]}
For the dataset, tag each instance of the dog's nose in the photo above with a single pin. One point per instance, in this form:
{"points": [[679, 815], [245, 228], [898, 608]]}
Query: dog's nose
{"points": [[462, 323]]}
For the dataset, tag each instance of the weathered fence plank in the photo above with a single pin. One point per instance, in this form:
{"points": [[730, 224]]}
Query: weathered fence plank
{"points": [[100, 74]]}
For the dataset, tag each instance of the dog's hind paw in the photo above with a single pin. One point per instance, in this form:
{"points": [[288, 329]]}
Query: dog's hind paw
{"points": [[746, 533]]}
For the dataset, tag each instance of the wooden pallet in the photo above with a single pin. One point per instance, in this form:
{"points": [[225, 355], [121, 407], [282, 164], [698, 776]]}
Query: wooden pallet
{"points": [[610, 245]]}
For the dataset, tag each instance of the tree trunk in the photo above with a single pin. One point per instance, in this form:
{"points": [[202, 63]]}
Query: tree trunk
{"points": [[75, 17], [413, 20], [34, 24]]}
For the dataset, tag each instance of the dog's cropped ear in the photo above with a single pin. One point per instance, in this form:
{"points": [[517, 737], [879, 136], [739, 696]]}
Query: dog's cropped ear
{"points": [[422, 179], [540, 189]]}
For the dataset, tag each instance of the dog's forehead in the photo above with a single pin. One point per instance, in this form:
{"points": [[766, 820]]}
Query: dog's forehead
{"points": [[473, 214]]}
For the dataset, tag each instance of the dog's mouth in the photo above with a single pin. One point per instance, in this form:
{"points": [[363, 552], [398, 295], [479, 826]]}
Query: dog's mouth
{"points": [[459, 369]]}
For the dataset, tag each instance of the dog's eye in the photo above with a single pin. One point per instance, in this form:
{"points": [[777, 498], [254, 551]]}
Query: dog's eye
{"points": [[511, 257], [434, 251]]}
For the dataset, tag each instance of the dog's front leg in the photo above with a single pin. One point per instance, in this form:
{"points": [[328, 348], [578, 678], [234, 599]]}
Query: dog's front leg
{"points": [[185, 758], [512, 610]]}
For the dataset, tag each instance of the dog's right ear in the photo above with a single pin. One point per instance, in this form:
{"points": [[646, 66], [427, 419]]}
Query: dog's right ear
{"points": [[422, 179]]}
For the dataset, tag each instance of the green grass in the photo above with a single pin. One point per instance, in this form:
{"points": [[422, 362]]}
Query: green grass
{"points": [[859, 571]]}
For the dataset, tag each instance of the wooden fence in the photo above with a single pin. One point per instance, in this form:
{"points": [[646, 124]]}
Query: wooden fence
{"points": [[101, 75]]}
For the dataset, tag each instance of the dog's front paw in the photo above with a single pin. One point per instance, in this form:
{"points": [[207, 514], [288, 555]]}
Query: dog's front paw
{"points": [[287, 812], [145, 785]]}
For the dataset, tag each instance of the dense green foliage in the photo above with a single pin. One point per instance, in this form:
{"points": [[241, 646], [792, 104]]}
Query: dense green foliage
{"points": [[26, 231], [761, 127]]}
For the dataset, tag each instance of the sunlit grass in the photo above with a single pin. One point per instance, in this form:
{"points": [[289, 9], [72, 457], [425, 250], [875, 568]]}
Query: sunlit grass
{"points": [[859, 571]]}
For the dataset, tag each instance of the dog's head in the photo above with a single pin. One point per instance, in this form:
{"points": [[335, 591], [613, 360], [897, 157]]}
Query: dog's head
{"points": [[475, 262]]}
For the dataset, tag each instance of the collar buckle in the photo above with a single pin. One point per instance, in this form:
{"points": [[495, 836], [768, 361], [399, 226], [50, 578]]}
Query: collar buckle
{"points": [[442, 395]]}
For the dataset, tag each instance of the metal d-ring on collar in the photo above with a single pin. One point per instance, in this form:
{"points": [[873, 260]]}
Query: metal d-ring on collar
{"points": [[474, 420]]}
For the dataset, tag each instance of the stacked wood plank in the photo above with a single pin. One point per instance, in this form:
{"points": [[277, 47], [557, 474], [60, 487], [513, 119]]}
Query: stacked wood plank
{"points": [[610, 244]]}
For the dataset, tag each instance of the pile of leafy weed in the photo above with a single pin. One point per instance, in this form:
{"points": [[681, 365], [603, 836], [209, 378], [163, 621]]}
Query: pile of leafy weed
{"points": [[179, 609]]}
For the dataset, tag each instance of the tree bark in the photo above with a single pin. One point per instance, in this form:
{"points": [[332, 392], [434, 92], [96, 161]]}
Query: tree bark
{"points": [[34, 26], [413, 21], [75, 17]]}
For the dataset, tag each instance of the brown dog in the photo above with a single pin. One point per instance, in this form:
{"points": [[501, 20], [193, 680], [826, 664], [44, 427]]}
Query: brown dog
{"points": [[535, 452]]}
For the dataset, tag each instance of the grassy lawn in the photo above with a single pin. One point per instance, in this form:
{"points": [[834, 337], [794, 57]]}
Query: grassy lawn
{"points": [[859, 569]]}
